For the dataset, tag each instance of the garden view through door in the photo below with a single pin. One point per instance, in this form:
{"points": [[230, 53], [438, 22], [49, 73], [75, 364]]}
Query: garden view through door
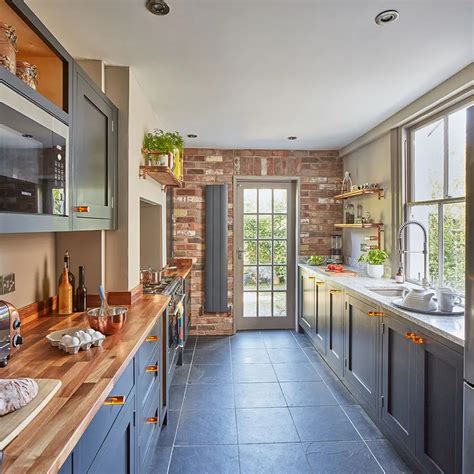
{"points": [[265, 255]]}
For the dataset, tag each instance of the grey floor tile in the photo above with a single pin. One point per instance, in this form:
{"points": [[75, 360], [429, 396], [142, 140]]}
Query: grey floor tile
{"points": [[327, 423], [180, 376], [342, 395], [247, 340], [278, 458], [388, 458], [158, 461], [168, 431], [276, 339], [251, 373], [286, 355], [250, 356], [207, 396], [176, 397], [190, 343], [341, 457], [296, 372], [207, 426], [265, 425], [364, 425], [212, 357], [307, 394], [212, 342], [187, 356], [258, 395], [205, 460], [210, 374]]}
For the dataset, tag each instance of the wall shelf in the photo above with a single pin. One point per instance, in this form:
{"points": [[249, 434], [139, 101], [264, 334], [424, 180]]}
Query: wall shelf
{"points": [[360, 192], [358, 226], [162, 174]]}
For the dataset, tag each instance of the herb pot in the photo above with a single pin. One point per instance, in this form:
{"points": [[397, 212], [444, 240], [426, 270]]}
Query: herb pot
{"points": [[375, 271]]}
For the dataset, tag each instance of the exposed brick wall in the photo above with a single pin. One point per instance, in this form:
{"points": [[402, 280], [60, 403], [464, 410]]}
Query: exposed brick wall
{"points": [[320, 173]]}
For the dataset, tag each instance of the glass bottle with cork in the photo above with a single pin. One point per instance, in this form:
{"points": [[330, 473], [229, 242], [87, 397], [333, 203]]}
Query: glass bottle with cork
{"points": [[70, 275], [65, 292], [81, 293]]}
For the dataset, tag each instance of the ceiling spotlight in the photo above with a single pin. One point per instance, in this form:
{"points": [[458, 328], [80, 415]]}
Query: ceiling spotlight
{"points": [[158, 7], [192, 135], [292, 138], [387, 16]]}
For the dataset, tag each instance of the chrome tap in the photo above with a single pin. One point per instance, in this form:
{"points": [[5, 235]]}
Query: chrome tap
{"points": [[425, 283]]}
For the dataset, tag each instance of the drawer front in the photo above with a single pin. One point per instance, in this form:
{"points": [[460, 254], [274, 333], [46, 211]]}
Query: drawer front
{"points": [[150, 347], [148, 425], [146, 379], [99, 427]]}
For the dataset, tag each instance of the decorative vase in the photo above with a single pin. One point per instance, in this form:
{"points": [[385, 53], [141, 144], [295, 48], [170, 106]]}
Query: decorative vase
{"points": [[375, 271]]}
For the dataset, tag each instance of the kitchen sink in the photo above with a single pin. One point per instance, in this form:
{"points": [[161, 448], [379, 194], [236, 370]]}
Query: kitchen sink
{"points": [[389, 291]]}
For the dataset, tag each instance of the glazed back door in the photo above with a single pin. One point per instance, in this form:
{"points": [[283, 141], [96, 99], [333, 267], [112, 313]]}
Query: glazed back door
{"points": [[265, 255]]}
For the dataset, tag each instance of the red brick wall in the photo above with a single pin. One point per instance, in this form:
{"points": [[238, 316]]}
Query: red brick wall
{"points": [[320, 173]]}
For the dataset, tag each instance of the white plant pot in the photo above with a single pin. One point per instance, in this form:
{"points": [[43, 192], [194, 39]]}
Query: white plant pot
{"points": [[374, 271]]}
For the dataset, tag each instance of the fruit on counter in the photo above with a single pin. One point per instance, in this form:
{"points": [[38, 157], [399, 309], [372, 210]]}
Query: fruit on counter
{"points": [[335, 268], [316, 260]]}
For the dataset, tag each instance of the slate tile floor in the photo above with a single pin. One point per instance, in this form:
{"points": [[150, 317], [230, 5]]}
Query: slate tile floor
{"points": [[265, 402]]}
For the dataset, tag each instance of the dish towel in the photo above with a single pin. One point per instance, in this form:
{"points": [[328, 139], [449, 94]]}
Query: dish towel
{"points": [[16, 393]]}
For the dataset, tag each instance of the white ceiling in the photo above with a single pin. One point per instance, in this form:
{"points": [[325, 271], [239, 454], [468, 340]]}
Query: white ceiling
{"points": [[249, 73]]}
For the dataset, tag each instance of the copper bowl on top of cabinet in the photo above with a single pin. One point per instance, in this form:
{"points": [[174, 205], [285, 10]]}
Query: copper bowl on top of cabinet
{"points": [[110, 323]]}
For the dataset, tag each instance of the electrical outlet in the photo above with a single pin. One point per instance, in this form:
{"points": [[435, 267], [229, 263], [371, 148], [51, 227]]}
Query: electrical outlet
{"points": [[8, 283]]}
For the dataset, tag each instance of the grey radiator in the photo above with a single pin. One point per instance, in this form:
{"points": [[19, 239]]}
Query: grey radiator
{"points": [[216, 249]]}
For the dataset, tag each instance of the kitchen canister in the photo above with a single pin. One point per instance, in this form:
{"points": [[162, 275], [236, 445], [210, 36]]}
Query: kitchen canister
{"points": [[8, 47], [28, 73]]}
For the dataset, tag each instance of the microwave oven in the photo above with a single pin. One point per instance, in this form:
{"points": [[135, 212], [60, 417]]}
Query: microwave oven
{"points": [[34, 159]]}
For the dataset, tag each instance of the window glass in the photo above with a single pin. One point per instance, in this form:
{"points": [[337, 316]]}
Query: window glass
{"points": [[454, 220], [457, 153]]}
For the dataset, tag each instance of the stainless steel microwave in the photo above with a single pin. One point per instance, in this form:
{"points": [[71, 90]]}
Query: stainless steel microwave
{"points": [[34, 164]]}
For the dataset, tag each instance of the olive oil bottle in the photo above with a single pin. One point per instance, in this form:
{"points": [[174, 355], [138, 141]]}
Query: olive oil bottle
{"points": [[65, 293]]}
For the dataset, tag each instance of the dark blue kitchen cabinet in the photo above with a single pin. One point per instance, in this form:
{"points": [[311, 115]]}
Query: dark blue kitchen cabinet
{"points": [[67, 467], [335, 328]]}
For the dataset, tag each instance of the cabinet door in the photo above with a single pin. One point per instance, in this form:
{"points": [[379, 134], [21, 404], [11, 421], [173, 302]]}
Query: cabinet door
{"points": [[439, 406], [362, 331], [335, 339], [307, 303], [94, 156], [117, 453], [399, 381], [321, 319]]}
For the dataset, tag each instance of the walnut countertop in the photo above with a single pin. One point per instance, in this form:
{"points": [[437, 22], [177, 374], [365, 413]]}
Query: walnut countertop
{"points": [[87, 379], [184, 267]]}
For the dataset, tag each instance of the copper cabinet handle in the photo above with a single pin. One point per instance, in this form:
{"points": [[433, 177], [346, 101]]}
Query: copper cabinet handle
{"points": [[410, 335], [153, 420], [82, 209], [333, 292], [152, 339], [375, 313], [119, 400], [152, 368], [418, 340]]}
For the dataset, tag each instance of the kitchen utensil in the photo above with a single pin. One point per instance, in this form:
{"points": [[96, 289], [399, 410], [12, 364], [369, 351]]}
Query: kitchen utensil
{"points": [[108, 323], [336, 249], [419, 299], [10, 338], [103, 310], [447, 299], [457, 310]]}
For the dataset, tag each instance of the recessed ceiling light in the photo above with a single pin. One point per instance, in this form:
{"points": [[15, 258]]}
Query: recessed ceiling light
{"points": [[292, 138], [158, 7], [387, 16], [192, 135]]}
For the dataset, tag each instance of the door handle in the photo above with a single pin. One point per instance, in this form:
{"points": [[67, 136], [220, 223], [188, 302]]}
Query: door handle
{"points": [[240, 254], [375, 313], [81, 209]]}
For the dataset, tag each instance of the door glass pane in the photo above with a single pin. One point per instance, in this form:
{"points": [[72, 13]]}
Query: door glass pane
{"points": [[250, 278], [265, 226], [250, 200], [428, 162], [457, 153], [264, 278], [250, 227], [280, 201], [279, 278], [264, 200], [250, 255], [454, 220], [279, 226], [265, 304], [265, 252], [250, 304], [280, 251], [279, 304], [428, 216]]}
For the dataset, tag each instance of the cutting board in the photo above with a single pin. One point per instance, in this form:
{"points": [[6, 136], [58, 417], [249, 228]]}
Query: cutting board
{"points": [[14, 423], [344, 273]]}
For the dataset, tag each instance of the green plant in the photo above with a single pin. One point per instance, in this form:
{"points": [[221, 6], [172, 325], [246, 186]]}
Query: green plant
{"points": [[178, 140], [374, 257], [317, 260], [160, 141]]}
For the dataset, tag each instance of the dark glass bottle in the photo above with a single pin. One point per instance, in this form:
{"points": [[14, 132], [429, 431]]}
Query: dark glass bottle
{"points": [[81, 293], [70, 275]]}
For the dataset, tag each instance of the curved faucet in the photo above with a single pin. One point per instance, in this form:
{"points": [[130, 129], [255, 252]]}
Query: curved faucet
{"points": [[402, 251]]}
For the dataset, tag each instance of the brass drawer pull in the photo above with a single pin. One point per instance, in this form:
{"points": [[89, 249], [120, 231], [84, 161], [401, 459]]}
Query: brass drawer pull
{"points": [[333, 292], [319, 283], [375, 313], [312, 278], [152, 368], [120, 400], [82, 209], [152, 339], [153, 420]]}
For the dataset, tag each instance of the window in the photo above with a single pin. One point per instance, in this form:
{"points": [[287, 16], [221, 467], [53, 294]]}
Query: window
{"points": [[435, 197]]}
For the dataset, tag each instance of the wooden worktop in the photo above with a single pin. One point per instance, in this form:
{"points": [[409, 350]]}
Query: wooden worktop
{"points": [[87, 379], [183, 267]]}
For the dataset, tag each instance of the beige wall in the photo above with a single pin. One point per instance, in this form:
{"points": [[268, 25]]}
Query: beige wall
{"points": [[151, 254], [32, 258]]}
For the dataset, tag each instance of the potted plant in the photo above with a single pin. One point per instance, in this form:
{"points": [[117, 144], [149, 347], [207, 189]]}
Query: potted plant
{"points": [[375, 258], [158, 147], [178, 151]]}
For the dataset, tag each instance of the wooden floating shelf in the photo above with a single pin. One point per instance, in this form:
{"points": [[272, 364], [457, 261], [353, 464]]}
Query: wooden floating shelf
{"points": [[360, 192], [161, 174], [358, 226]]}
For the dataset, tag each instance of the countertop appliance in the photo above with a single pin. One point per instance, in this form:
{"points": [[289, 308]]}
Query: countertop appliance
{"points": [[468, 437], [10, 338]]}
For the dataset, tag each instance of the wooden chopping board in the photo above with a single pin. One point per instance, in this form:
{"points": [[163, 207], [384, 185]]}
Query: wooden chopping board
{"points": [[344, 273], [14, 423]]}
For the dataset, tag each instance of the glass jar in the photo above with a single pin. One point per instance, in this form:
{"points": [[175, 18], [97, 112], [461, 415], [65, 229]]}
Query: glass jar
{"points": [[28, 73], [350, 217], [8, 47]]}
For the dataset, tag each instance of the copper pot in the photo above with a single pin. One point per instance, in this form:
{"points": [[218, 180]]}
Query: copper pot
{"points": [[110, 323]]}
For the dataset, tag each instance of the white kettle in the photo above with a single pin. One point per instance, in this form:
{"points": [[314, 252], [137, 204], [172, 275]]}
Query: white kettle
{"points": [[419, 299]]}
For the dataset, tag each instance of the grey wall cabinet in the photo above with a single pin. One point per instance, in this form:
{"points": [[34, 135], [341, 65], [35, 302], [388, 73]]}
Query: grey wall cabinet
{"points": [[335, 329], [361, 350], [94, 163], [307, 304]]}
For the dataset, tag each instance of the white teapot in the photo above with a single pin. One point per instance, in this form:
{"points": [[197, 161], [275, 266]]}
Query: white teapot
{"points": [[419, 299]]}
